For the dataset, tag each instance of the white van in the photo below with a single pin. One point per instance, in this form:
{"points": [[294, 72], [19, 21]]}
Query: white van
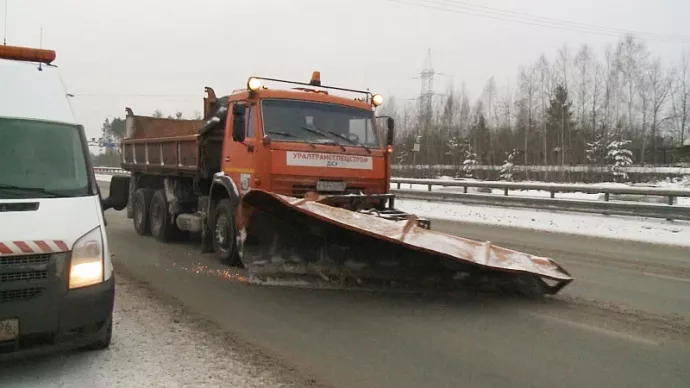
{"points": [[56, 275]]}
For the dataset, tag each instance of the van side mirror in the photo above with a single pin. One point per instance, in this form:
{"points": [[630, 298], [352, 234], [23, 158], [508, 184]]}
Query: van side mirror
{"points": [[390, 135], [238, 122], [118, 193]]}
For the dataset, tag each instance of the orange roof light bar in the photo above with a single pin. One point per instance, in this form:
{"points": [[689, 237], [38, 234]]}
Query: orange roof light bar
{"points": [[28, 54], [316, 81]]}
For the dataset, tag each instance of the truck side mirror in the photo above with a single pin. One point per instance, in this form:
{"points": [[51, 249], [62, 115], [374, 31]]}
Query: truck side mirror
{"points": [[118, 193], [238, 122], [390, 135]]}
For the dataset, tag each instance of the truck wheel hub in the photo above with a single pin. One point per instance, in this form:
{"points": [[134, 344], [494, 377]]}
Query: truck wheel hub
{"points": [[221, 231]]}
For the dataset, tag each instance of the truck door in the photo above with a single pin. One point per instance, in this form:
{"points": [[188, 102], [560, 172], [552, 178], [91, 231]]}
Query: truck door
{"points": [[238, 158]]}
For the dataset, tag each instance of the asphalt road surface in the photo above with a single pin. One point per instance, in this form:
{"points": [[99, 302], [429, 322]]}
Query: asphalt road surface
{"points": [[624, 321]]}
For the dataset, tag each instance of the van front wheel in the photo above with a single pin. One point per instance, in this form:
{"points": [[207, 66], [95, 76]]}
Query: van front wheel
{"points": [[103, 342]]}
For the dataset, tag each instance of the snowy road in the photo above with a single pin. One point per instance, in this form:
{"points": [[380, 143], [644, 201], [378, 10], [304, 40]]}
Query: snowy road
{"points": [[624, 322], [155, 344]]}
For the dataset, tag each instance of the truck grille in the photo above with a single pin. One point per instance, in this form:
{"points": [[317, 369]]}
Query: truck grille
{"points": [[300, 190], [24, 277]]}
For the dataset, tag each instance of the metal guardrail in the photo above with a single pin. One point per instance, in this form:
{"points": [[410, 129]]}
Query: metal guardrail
{"points": [[623, 208], [661, 170], [552, 188], [626, 208], [608, 207], [110, 170]]}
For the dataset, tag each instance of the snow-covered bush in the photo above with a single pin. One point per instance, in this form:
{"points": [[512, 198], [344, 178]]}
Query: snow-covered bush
{"points": [[470, 162], [596, 151], [508, 165], [618, 156]]}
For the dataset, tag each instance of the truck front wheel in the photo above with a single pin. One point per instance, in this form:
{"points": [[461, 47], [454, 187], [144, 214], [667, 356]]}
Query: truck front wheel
{"points": [[224, 233]]}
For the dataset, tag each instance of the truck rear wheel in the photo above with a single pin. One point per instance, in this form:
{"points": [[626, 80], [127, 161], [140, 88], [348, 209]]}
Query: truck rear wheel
{"points": [[224, 233], [162, 227], [140, 208]]}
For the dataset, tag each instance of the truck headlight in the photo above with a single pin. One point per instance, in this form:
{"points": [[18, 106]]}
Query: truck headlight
{"points": [[86, 268]]}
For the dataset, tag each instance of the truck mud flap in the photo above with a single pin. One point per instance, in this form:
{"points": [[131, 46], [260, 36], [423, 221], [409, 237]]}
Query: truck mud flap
{"points": [[282, 235]]}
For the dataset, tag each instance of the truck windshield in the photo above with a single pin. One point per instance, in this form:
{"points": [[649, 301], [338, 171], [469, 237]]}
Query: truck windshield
{"points": [[40, 159], [290, 117]]}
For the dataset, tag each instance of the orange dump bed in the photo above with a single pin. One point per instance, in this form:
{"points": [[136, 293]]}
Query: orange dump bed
{"points": [[161, 145], [147, 127]]}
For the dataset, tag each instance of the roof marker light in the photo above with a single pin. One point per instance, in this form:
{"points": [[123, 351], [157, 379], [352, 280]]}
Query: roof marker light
{"points": [[253, 84], [377, 99]]}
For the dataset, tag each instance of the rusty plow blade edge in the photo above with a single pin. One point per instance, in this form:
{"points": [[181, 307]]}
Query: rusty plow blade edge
{"points": [[290, 236]]}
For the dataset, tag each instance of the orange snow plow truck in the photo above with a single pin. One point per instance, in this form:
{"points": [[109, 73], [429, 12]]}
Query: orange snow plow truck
{"points": [[294, 182]]}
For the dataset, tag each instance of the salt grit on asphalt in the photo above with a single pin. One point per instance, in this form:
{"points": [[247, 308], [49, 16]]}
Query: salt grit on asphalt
{"points": [[154, 345]]}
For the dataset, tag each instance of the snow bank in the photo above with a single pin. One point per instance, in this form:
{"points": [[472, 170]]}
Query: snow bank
{"points": [[103, 178], [154, 345]]}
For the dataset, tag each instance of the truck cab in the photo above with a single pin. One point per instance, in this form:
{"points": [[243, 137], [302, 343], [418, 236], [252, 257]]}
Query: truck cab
{"points": [[295, 141], [56, 275]]}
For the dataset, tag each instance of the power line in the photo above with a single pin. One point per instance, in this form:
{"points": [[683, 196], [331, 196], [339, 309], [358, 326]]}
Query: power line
{"points": [[462, 4], [522, 18]]}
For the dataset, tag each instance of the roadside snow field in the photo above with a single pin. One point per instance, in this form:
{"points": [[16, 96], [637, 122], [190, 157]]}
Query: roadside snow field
{"points": [[154, 345], [626, 228]]}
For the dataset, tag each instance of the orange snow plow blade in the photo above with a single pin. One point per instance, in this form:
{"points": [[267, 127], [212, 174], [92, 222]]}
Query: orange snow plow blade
{"points": [[305, 236]]}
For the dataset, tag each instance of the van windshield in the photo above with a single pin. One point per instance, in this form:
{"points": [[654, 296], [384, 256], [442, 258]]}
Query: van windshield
{"points": [[40, 159]]}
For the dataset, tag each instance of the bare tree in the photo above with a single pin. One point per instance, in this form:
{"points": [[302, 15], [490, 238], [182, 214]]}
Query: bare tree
{"points": [[597, 78], [563, 63], [645, 92], [583, 67], [681, 97], [630, 55], [528, 89], [660, 86], [465, 111], [610, 92], [489, 97], [545, 87]]}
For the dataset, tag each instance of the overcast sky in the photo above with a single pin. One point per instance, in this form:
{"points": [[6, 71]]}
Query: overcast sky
{"points": [[110, 51]]}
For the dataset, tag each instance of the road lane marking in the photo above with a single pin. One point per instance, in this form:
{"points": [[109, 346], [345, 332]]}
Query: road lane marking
{"points": [[596, 329], [684, 280], [630, 271]]}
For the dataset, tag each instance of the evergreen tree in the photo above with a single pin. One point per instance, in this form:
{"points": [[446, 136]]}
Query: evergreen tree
{"points": [[559, 122]]}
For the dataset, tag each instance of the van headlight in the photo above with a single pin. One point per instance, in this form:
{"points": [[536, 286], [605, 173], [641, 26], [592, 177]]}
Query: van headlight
{"points": [[86, 267]]}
